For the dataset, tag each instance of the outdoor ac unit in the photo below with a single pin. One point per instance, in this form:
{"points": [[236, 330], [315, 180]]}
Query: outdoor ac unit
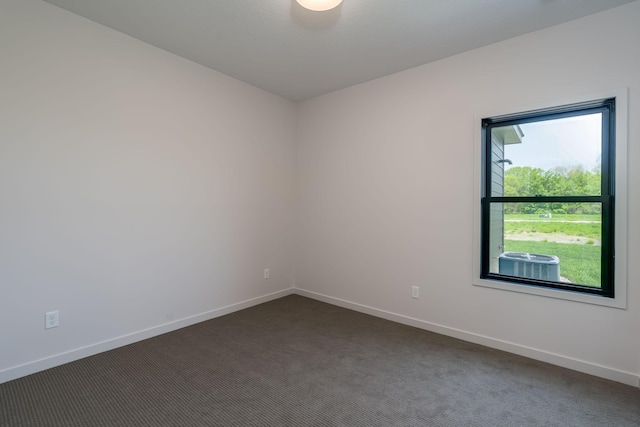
{"points": [[532, 266]]}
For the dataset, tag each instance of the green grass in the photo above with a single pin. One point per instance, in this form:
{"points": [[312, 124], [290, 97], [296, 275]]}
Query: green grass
{"points": [[587, 230], [555, 217], [578, 263]]}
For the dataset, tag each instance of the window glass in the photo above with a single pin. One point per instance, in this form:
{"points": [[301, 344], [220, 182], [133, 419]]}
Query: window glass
{"points": [[559, 157], [559, 242]]}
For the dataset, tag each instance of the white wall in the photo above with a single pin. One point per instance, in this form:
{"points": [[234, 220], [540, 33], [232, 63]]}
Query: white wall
{"points": [[137, 189], [385, 193]]}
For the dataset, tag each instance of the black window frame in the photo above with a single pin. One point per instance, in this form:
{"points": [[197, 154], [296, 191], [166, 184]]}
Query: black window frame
{"points": [[606, 197]]}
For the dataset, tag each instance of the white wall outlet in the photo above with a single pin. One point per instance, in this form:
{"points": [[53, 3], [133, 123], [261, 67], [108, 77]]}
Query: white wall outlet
{"points": [[51, 319], [415, 292], [266, 273]]}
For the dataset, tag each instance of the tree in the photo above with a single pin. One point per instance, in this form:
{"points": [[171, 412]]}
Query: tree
{"points": [[522, 181]]}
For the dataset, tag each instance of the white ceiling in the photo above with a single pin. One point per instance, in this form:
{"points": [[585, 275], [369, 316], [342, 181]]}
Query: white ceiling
{"points": [[280, 47]]}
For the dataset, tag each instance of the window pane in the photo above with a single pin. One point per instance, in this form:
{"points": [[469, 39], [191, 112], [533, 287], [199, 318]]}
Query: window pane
{"points": [[560, 242], [560, 157]]}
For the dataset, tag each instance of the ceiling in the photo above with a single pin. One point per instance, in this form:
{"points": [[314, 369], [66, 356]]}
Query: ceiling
{"points": [[280, 47]]}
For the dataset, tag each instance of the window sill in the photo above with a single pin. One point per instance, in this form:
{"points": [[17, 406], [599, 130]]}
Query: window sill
{"points": [[618, 302]]}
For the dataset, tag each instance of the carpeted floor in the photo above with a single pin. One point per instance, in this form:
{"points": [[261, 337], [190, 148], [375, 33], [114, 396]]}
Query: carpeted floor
{"points": [[299, 362]]}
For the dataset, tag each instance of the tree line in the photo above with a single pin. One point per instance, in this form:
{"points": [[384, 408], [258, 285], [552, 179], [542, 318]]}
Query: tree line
{"points": [[529, 181]]}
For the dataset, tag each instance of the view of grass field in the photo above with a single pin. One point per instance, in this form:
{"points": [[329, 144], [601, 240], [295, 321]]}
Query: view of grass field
{"points": [[575, 239]]}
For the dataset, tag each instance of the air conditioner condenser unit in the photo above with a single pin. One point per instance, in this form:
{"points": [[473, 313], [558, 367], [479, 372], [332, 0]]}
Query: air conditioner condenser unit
{"points": [[531, 266]]}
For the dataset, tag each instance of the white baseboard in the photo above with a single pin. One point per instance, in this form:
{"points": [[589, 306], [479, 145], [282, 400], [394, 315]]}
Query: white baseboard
{"points": [[32, 367], [532, 353]]}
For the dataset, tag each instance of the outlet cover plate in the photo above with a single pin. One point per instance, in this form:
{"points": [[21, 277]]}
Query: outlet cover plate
{"points": [[51, 319]]}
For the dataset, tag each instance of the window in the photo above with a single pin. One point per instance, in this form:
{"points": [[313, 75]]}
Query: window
{"points": [[547, 199]]}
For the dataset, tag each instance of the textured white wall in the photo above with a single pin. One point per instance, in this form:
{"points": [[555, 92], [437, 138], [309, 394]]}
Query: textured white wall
{"points": [[385, 191], [136, 188]]}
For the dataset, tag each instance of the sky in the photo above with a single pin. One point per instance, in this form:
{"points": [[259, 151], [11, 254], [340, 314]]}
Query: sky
{"points": [[566, 142]]}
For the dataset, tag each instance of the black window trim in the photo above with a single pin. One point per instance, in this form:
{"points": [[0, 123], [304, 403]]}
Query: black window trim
{"points": [[606, 198]]}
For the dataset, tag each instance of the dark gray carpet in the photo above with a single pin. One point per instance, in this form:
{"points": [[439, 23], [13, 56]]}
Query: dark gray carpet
{"points": [[299, 362]]}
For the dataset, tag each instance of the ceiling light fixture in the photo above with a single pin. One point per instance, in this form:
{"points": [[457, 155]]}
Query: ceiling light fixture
{"points": [[319, 5]]}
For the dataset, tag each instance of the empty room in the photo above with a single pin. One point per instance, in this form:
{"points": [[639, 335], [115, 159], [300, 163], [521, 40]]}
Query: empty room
{"points": [[319, 213]]}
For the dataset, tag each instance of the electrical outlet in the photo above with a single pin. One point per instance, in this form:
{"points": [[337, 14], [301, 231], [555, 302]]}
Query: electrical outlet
{"points": [[266, 273], [51, 319], [415, 292]]}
